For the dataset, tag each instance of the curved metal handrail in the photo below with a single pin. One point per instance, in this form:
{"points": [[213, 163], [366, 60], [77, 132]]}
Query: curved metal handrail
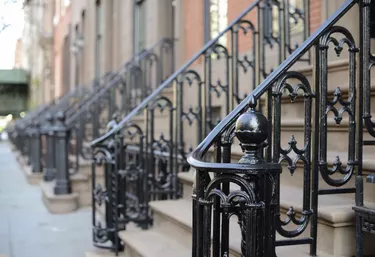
{"points": [[196, 158], [171, 78]]}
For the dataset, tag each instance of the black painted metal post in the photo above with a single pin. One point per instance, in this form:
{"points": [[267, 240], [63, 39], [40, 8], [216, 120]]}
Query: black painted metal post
{"points": [[27, 145], [63, 184], [257, 204], [49, 171], [252, 132], [36, 148]]}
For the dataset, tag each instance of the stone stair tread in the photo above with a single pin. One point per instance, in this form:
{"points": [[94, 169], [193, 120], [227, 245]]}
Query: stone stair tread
{"points": [[180, 211], [81, 160], [368, 157], [187, 177], [333, 208], [79, 177], [150, 243]]}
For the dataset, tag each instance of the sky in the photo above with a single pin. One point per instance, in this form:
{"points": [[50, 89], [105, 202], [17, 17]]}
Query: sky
{"points": [[10, 13]]}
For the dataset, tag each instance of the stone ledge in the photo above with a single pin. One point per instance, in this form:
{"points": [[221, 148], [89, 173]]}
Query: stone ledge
{"points": [[32, 177], [81, 185], [336, 211], [22, 160], [13, 148], [187, 177], [157, 244], [178, 215], [58, 203]]}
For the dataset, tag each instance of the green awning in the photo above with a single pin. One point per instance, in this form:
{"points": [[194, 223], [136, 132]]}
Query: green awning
{"points": [[14, 76]]}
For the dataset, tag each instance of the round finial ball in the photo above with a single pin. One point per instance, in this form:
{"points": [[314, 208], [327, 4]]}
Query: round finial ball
{"points": [[35, 122], [60, 116], [49, 117], [252, 127]]}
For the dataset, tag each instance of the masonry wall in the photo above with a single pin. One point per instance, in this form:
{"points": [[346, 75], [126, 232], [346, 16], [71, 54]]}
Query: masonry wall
{"points": [[194, 22], [116, 33], [61, 33]]}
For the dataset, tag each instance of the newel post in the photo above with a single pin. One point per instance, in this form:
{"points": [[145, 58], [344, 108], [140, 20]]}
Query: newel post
{"points": [[63, 185], [258, 219], [49, 171], [36, 147]]}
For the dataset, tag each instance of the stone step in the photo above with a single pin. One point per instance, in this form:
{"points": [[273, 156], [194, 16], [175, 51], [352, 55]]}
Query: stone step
{"points": [[85, 166], [166, 245], [58, 203], [81, 184], [297, 178], [151, 243], [335, 229], [337, 136], [296, 109], [172, 224], [187, 180]]}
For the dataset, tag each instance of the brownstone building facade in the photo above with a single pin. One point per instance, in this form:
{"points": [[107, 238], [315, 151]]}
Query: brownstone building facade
{"points": [[61, 47]]}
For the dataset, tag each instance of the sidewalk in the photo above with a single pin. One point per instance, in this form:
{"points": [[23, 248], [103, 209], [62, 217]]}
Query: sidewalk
{"points": [[27, 229]]}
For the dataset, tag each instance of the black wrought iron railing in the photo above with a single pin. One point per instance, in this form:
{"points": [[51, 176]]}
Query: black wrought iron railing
{"points": [[118, 92], [142, 156], [26, 132], [257, 174]]}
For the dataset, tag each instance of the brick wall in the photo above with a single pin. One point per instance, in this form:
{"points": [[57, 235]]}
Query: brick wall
{"points": [[194, 23], [60, 33], [235, 8], [315, 14], [193, 27]]}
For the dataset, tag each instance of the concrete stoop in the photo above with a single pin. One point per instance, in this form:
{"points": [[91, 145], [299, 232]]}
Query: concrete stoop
{"points": [[22, 160], [81, 185], [336, 219], [171, 235], [80, 197], [158, 244], [81, 190], [172, 228], [33, 178], [58, 203]]}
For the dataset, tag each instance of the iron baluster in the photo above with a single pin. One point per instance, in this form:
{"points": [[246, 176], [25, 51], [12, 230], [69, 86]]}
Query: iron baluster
{"points": [[329, 106], [302, 153], [364, 216]]}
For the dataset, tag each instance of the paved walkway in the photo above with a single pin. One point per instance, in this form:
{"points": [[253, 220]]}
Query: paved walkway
{"points": [[27, 229]]}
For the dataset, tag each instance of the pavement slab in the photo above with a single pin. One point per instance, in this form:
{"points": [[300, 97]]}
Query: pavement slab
{"points": [[27, 229]]}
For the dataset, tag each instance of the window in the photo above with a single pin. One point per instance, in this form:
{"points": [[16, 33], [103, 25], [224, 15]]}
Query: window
{"points": [[372, 19], [82, 52], [64, 5], [98, 37], [218, 19], [139, 43], [296, 25], [56, 17]]}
